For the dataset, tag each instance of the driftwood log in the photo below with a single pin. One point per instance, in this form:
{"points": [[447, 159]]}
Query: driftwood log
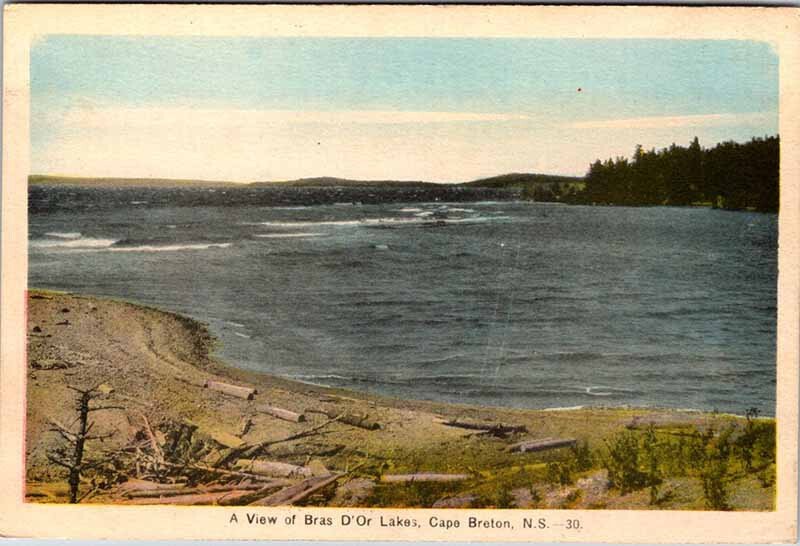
{"points": [[220, 471], [232, 390], [273, 468], [221, 437], [296, 493], [352, 419], [146, 485], [423, 477], [250, 451], [183, 490], [281, 413], [542, 445], [495, 429], [223, 498]]}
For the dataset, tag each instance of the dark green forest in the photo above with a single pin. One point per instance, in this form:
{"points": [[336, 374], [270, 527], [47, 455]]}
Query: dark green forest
{"points": [[731, 175]]}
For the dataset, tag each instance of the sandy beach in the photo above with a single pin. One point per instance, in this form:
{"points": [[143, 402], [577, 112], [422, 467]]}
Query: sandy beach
{"points": [[152, 366]]}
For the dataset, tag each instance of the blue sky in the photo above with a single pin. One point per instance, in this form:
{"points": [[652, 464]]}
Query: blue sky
{"points": [[438, 109]]}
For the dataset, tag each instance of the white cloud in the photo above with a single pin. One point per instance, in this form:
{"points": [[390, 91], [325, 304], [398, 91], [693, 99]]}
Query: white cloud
{"points": [[95, 118], [662, 122]]}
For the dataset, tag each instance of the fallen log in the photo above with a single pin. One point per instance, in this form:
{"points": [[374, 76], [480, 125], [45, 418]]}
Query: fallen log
{"points": [[245, 426], [215, 470], [252, 496], [177, 491], [353, 419], [542, 445], [496, 429], [145, 485], [232, 390], [153, 442], [281, 413], [250, 451], [225, 439], [221, 437], [423, 477], [200, 499], [297, 492], [273, 468]]}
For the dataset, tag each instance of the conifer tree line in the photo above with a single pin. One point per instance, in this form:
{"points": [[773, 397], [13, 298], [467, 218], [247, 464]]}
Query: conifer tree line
{"points": [[730, 175]]}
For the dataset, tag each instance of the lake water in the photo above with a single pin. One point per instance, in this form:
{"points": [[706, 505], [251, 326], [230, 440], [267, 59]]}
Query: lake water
{"points": [[497, 303]]}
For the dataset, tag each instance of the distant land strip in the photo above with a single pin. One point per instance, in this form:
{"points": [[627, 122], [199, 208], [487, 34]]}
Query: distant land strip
{"points": [[511, 180], [731, 176]]}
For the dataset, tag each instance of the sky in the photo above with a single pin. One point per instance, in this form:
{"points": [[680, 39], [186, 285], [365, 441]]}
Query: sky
{"points": [[442, 110]]}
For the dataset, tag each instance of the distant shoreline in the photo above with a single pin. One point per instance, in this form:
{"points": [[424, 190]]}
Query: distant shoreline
{"points": [[527, 188]]}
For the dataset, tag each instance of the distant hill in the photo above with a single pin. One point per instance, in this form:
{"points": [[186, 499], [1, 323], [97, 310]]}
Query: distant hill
{"points": [[322, 181], [524, 180], [505, 181], [42, 179]]}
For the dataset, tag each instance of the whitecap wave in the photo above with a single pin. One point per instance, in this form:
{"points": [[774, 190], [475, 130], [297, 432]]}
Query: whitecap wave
{"points": [[307, 224], [599, 390], [418, 218], [82, 243], [241, 335], [234, 324], [167, 248], [287, 235], [67, 235]]}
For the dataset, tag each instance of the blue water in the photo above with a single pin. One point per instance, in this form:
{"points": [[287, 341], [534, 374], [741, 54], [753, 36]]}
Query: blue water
{"points": [[497, 303]]}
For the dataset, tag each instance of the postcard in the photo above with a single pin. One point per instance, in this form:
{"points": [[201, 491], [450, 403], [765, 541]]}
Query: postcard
{"points": [[458, 273]]}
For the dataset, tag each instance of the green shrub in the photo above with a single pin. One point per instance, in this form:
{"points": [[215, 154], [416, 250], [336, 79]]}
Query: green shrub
{"points": [[623, 463], [536, 497], [653, 452], [714, 468], [504, 499], [766, 476], [582, 456], [559, 473]]}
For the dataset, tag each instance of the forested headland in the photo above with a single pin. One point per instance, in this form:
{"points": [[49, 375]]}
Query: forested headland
{"points": [[731, 175]]}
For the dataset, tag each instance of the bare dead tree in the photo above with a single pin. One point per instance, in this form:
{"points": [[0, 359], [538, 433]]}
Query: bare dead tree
{"points": [[76, 439]]}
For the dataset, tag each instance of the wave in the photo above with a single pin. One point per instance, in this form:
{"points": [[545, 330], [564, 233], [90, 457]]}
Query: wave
{"points": [[86, 243], [241, 335], [167, 248], [420, 218], [287, 235], [111, 245], [67, 235], [475, 219], [596, 391], [409, 209], [234, 324], [307, 223]]}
